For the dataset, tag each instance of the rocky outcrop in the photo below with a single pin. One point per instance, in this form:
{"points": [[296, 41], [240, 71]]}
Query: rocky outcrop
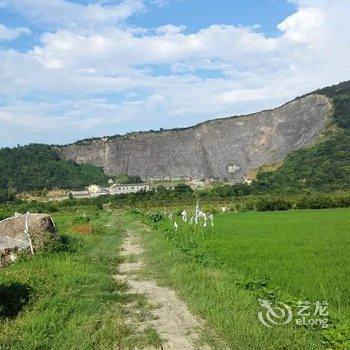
{"points": [[222, 148]]}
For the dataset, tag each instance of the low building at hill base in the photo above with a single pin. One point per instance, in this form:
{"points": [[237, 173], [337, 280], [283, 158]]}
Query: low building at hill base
{"points": [[128, 188]]}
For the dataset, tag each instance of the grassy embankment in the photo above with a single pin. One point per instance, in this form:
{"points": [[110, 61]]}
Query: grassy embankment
{"points": [[287, 256], [67, 299]]}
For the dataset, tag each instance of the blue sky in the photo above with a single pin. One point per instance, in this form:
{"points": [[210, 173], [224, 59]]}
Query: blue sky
{"points": [[197, 14], [194, 14], [77, 69]]}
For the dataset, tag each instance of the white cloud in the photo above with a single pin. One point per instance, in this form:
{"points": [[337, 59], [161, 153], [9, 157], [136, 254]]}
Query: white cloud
{"points": [[217, 43], [62, 13], [9, 34], [170, 29], [162, 78], [306, 24]]}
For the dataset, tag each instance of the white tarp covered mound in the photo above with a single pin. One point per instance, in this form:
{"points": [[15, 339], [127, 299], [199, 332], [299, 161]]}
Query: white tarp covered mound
{"points": [[19, 232]]}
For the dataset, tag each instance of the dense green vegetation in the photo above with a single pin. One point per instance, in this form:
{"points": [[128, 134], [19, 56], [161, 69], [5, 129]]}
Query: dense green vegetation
{"points": [[324, 166], [67, 299], [127, 179], [39, 166], [341, 97], [227, 196], [287, 256], [222, 195]]}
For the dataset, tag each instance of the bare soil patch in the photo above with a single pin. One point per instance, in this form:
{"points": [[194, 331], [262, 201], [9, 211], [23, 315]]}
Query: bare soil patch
{"points": [[171, 318]]}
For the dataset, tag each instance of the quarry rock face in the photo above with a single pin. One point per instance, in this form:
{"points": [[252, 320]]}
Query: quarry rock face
{"points": [[223, 148]]}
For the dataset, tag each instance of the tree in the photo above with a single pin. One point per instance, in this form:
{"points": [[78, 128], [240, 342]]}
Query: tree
{"points": [[183, 188], [39, 166], [128, 179]]}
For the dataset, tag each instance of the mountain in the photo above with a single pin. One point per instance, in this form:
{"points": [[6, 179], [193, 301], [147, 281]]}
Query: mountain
{"points": [[229, 148], [325, 166], [302, 145]]}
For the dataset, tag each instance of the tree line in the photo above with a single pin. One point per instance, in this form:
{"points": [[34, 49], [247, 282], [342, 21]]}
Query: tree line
{"points": [[39, 166]]}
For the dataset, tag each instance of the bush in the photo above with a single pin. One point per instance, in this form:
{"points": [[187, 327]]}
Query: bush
{"points": [[156, 217], [182, 188], [313, 202], [211, 209], [51, 209], [81, 220], [136, 211], [128, 179], [341, 201], [303, 201], [273, 204], [57, 244]]}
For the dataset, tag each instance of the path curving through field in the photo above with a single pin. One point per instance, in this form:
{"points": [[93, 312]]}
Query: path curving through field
{"points": [[175, 324]]}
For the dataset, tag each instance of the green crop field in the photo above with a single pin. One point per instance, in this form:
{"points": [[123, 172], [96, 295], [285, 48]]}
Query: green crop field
{"points": [[305, 253], [290, 256], [66, 297]]}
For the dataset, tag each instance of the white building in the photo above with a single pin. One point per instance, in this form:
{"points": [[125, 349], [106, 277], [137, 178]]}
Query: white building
{"points": [[94, 188], [101, 192], [128, 188], [80, 194]]}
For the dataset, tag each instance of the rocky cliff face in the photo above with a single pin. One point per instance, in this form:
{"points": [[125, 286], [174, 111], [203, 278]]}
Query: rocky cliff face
{"points": [[223, 148]]}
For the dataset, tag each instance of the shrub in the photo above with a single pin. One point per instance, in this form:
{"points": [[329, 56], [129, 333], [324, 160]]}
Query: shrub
{"points": [[211, 209], [81, 220], [341, 201], [315, 202], [136, 211], [273, 204], [156, 217], [182, 188], [51, 209]]}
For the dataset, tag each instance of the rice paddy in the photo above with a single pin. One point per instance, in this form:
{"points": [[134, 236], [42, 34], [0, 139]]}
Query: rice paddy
{"points": [[286, 256]]}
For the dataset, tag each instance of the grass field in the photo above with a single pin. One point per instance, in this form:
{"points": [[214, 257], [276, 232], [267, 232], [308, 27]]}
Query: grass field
{"points": [[289, 256], [67, 299]]}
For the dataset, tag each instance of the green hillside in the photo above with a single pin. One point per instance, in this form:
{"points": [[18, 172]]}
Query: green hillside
{"points": [[326, 165], [38, 166]]}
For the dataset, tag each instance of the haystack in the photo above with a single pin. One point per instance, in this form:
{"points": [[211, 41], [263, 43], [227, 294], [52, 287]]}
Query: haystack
{"points": [[12, 232]]}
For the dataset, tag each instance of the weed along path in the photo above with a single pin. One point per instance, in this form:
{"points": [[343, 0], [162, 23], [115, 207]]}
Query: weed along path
{"points": [[170, 317]]}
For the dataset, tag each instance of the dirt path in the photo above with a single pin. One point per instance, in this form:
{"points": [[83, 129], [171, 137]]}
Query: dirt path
{"points": [[172, 319]]}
